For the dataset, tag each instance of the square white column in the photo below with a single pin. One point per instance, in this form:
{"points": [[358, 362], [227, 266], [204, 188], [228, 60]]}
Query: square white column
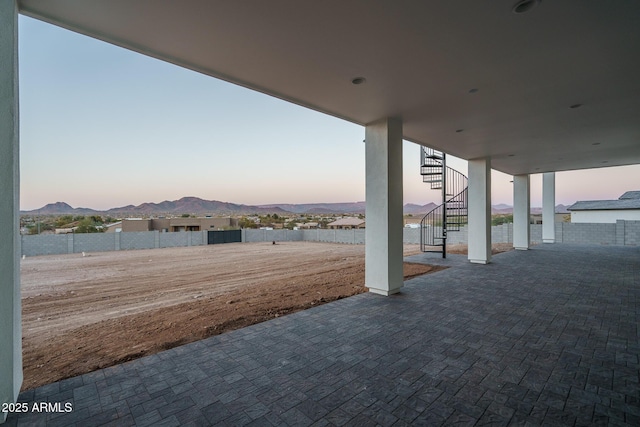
{"points": [[521, 212], [480, 211], [10, 307], [549, 207], [383, 235]]}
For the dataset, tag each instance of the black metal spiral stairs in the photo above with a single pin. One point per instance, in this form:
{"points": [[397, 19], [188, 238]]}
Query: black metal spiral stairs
{"points": [[453, 212]]}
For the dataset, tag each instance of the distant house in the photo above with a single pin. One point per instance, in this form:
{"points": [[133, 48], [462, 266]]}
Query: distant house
{"points": [[347, 224], [177, 224], [627, 207], [116, 227], [306, 225]]}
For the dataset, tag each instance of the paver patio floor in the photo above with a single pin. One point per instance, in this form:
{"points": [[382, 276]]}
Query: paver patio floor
{"points": [[545, 336]]}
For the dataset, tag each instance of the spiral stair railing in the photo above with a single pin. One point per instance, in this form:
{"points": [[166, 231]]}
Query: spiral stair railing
{"points": [[452, 214]]}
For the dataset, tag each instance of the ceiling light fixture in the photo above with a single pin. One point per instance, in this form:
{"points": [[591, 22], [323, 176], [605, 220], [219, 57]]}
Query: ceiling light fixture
{"points": [[459, 130], [574, 106], [474, 90], [358, 80], [524, 6], [596, 143], [511, 155]]}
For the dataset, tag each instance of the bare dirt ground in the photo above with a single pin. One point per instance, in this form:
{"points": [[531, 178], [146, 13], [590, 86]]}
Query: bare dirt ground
{"points": [[85, 313]]}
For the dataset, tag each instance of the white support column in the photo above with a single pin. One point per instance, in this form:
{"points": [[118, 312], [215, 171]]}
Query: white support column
{"points": [[549, 207], [480, 211], [521, 212], [10, 308], [383, 235]]}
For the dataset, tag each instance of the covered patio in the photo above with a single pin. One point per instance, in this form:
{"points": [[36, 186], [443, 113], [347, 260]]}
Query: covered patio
{"points": [[508, 343], [522, 87]]}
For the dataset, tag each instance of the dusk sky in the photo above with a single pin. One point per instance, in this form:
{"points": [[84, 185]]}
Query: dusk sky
{"points": [[103, 127]]}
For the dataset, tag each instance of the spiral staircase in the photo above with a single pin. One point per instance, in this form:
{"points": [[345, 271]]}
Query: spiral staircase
{"points": [[453, 212]]}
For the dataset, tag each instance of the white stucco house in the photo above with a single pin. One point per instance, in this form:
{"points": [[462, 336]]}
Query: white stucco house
{"points": [[627, 208]]}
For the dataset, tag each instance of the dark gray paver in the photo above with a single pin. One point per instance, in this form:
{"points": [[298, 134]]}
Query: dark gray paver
{"points": [[547, 336]]}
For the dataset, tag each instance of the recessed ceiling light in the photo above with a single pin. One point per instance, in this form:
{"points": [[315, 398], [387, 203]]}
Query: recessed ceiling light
{"points": [[358, 80], [459, 130], [574, 106], [474, 90], [524, 6], [596, 143], [605, 161], [537, 169], [511, 155]]}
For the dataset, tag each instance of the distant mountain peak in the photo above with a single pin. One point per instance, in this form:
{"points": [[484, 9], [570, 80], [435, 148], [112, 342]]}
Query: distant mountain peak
{"points": [[60, 208], [62, 205]]}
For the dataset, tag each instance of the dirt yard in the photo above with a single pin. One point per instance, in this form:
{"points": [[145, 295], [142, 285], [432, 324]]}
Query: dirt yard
{"points": [[85, 313]]}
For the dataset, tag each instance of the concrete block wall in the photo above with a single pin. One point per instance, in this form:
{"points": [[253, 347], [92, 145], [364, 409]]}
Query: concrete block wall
{"points": [[172, 240], [358, 237], [285, 235], [92, 242], [597, 234], [631, 233], [620, 233], [199, 238], [139, 240], [252, 236], [411, 235], [349, 236], [460, 237], [50, 244], [320, 235], [353, 237], [44, 244], [623, 233], [501, 233], [535, 231]]}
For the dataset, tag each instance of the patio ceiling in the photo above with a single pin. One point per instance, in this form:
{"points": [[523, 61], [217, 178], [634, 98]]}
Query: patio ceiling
{"points": [[468, 77]]}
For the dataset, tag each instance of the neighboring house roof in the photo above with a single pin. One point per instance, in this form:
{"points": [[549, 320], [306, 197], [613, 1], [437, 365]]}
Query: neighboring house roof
{"points": [[630, 195], [348, 221], [629, 200]]}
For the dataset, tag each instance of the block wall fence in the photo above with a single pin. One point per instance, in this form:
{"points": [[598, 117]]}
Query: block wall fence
{"points": [[622, 233], [52, 244]]}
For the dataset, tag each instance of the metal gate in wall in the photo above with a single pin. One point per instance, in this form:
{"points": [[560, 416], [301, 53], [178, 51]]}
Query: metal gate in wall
{"points": [[224, 236]]}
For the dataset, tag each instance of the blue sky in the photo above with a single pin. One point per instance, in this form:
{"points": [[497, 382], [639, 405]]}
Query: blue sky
{"points": [[103, 127]]}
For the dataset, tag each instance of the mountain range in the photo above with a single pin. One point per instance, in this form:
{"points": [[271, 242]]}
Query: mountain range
{"points": [[195, 205]]}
